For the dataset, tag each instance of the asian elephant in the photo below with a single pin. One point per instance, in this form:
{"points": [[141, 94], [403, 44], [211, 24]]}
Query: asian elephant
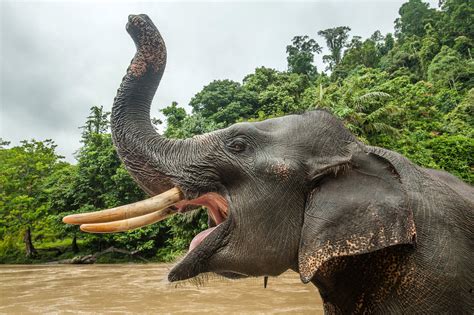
{"points": [[371, 230]]}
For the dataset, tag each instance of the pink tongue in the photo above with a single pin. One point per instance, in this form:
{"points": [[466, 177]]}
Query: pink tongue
{"points": [[200, 237]]}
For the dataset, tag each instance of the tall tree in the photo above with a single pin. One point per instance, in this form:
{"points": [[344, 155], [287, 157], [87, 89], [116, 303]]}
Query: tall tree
{"points": [[22, 172], [448, 69], [361, 53], [97, 122], [301, 55], [60, 189], [336, 39], [414, 15], [457, 20]]}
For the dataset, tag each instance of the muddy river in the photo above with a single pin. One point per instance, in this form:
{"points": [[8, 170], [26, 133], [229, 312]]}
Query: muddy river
{"points": [[122, 289]]}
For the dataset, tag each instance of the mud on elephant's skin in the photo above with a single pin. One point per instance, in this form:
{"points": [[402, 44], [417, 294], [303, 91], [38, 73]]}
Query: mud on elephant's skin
{"points": [[370, 229]]}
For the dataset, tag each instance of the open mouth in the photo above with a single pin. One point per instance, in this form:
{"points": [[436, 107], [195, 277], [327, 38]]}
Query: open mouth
{"points": [[152, 210], [217, 210]]}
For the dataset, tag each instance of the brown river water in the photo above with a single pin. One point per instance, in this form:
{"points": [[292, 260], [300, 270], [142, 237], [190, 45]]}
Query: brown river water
{"points": [[143, 289]]}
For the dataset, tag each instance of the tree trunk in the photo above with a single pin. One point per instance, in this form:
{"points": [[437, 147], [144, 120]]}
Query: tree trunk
{"points": [[75, 248], [30, 249]]}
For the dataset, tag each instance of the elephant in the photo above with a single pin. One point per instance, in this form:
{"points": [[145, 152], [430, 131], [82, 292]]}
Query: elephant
{"points": [[374, 232]]}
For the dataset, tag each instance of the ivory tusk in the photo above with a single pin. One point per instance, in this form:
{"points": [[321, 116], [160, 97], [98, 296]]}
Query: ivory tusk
{"points": [[137, 209], [128, 224]]}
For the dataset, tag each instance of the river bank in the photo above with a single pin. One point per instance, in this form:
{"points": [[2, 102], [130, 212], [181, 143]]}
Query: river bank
{"points": [[61, 252]]}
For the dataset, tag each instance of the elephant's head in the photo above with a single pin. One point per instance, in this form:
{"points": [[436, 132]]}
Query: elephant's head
{"points": [[290, 192]]}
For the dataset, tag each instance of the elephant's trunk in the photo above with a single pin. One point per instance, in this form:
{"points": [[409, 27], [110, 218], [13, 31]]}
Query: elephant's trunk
{"points": [[156, 163], [150, 158]]}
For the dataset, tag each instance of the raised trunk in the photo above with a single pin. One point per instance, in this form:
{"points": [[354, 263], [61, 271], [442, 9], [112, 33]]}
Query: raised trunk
{"points": [[29, 248], [150, 158]]}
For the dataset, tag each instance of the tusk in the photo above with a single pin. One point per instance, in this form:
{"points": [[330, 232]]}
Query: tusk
{"points": [[128, 224], [137, 209]]}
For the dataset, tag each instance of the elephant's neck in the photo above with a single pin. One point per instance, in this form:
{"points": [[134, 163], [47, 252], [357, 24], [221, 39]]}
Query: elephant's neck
{"points": [[371, 282]]}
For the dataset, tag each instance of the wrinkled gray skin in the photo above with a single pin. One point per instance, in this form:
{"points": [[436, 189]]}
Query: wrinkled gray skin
{"points": [[370, 229]]}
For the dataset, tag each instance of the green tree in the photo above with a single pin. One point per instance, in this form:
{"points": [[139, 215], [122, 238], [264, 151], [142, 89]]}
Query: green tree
{"points": [[22, 172], [430, 47], [97, 122], [365, 110], [464, 45], [101, 180], [457, 20], [336, 40], [224, 102], [361, 53], [454, 154], [404, 59], [414, 15], [448, 69], [276, 92], [301, 55], [174, 116], [388, 44], [460, 120], [60, 189]]}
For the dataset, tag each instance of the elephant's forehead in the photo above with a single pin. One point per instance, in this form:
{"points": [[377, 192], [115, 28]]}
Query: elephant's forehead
{"points": [[302, 125], [281, 123]]}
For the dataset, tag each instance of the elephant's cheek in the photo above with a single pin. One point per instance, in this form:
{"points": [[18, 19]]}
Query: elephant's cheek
{"points": [[232, 258], [247, 259]]}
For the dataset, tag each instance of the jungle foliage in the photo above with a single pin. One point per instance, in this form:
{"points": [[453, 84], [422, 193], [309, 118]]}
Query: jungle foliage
{"points": [[411, 91]]}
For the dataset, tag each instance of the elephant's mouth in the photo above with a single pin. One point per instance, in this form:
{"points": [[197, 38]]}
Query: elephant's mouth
{"points": [[217, 209], [160, 207]]}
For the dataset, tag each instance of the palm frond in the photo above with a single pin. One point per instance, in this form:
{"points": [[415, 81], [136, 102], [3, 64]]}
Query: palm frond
{"points": [[380, 112], [373, 96], [382, 128]]}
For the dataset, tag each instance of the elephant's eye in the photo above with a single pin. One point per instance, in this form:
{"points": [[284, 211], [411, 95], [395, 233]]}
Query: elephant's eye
{"points": [[237, 145]]}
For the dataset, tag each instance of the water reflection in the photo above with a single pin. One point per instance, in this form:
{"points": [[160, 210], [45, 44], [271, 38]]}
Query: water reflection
{"points": [[119, 289]]}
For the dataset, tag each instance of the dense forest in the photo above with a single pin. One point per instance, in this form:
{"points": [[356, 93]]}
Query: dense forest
{"points": [[411, 91]]}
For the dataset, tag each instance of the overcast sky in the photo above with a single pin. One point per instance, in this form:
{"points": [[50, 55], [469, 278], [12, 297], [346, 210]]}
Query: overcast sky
{"points": [[60, 58]]}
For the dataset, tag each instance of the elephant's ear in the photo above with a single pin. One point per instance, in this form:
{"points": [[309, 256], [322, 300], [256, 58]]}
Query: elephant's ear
{"points": [[357, 211]]}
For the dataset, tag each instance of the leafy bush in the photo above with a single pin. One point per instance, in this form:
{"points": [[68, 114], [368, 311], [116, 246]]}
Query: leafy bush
{"points": [[454, 154]]}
